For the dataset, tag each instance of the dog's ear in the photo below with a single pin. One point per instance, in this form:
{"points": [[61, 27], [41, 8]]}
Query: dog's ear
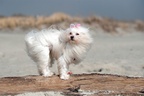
{"points": [[72, 26]]}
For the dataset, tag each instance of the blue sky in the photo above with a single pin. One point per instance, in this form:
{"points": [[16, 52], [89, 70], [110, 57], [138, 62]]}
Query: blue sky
{"points": [[117, 9]]}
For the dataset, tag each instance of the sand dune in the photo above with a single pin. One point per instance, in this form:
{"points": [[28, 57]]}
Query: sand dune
{"points": [[63, 20]]}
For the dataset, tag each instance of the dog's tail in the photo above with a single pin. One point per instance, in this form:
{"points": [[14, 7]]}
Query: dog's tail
{"points": [[30, 37]]}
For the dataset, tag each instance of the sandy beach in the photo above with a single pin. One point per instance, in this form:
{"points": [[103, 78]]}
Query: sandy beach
{"points": [[116, 55], [121, 54]]}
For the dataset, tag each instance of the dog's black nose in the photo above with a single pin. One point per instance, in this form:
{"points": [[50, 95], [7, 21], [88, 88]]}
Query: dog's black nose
{"points": [[72, 37]]}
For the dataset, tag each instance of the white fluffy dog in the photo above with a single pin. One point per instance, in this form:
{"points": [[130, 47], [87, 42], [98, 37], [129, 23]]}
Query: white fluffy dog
{"points": [[65, 46]]}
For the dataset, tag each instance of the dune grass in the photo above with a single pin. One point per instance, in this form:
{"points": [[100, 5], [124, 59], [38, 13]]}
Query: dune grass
{"points": [[39, 22]]}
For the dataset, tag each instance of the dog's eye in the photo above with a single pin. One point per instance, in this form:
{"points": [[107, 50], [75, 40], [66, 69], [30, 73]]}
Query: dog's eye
{"points": [[70, 33], [77, 33]]}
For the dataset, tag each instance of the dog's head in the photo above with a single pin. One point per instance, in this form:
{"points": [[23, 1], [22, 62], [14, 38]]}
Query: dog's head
{"points": [[77, 34]]}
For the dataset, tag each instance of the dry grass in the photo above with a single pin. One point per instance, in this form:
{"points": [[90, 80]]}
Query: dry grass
{"points": [[64, 20], [31, 22]]}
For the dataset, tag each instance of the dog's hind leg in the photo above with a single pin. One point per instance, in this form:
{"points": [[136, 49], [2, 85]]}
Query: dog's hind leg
{"points": [[43, 62]]}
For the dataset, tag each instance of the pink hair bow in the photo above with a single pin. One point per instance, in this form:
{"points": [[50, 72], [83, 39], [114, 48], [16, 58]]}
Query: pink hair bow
{"points": [[75, 25]]}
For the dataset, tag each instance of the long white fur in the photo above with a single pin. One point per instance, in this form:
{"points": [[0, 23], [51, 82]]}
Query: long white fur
{"points": [[53, 44]]}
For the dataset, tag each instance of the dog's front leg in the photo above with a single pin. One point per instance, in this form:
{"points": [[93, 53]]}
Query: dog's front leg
{"points": [[63, 68]]}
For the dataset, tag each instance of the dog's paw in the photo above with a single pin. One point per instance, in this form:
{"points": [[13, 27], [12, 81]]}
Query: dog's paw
{"points": [[48, 74], [65, 77]]}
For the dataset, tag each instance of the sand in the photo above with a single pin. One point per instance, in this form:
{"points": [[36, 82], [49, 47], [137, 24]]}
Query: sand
{"points": [[121, 54]]}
